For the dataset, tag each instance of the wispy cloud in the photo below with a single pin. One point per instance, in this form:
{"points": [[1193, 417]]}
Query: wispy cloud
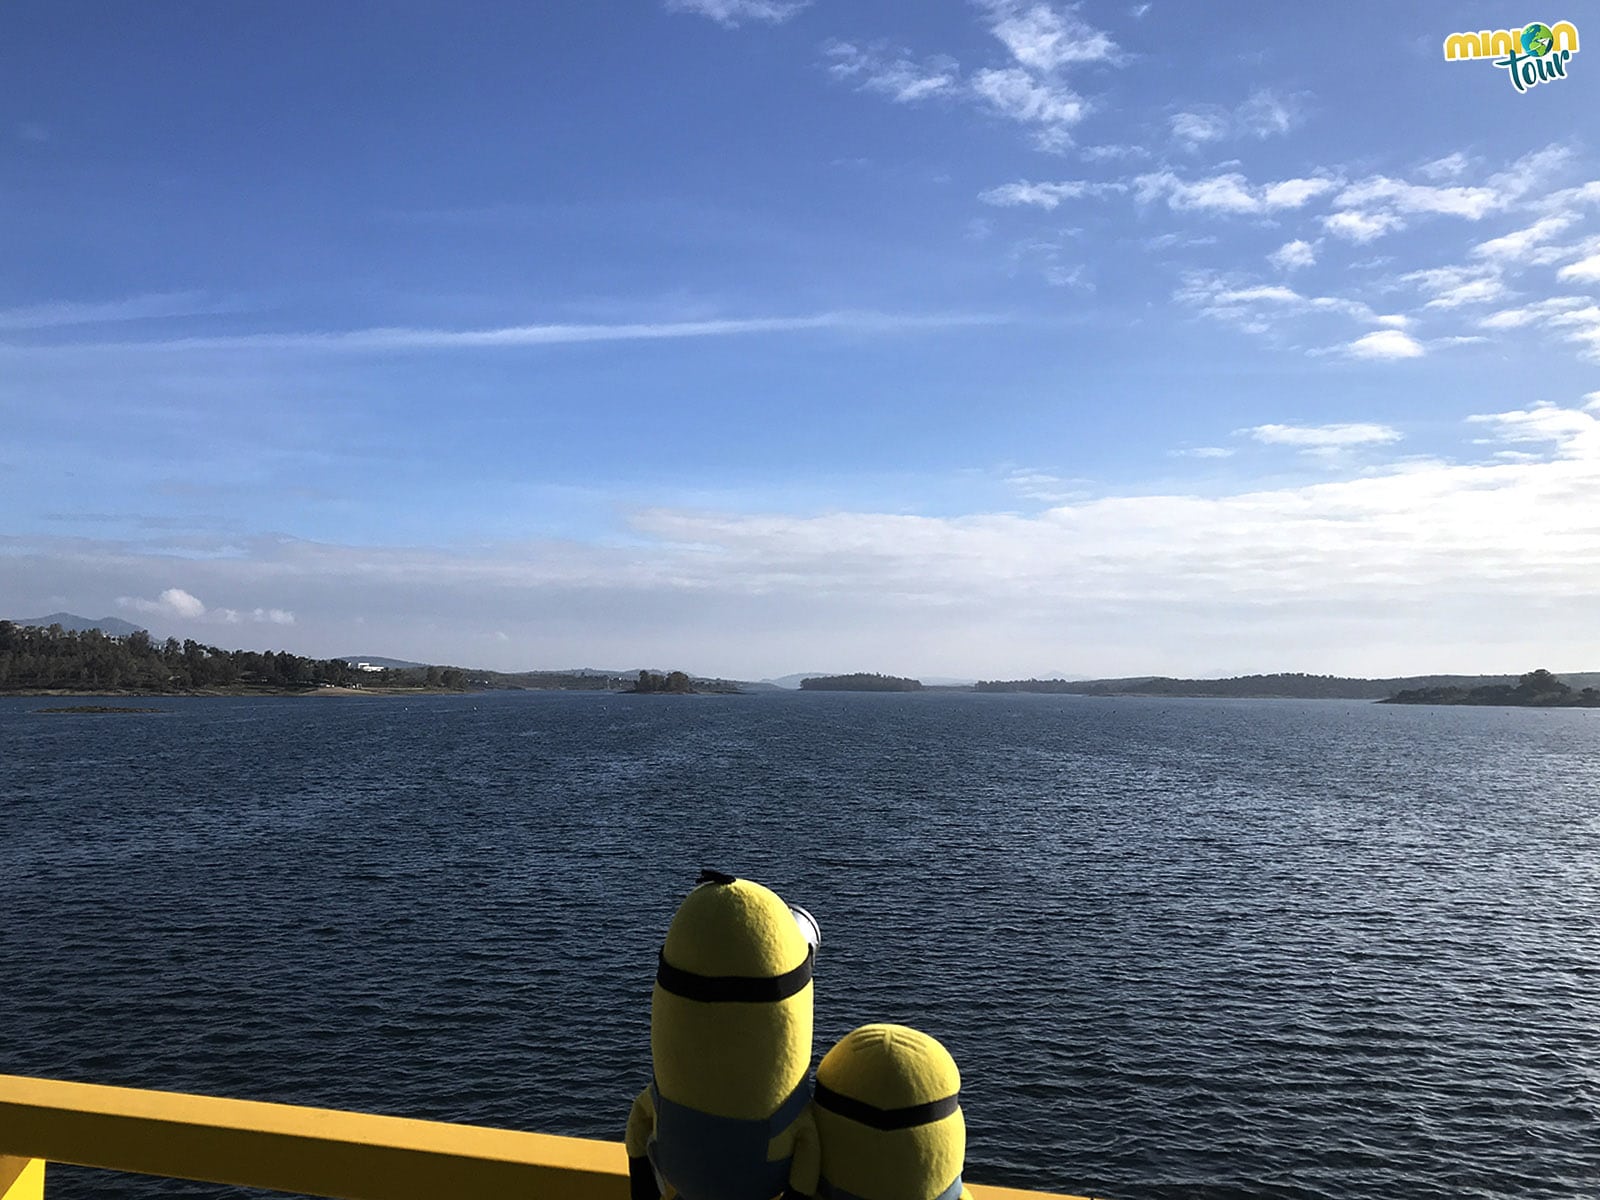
{"points": [[1043, 42], [1516, 245], [1058, 260], [1454, 287], [1050, 107], [1230, 193], [1377, 205], [1046, 487], [384, 339], [1043, 195], [154, 306], [1324, 437], [1265, 114], [1257, 307], [733, 13], [892, 73], [1451, 166], [1044, 37]]}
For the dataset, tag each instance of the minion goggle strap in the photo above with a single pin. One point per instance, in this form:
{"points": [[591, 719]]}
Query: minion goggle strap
{"points": [[885, 1118], [743, 989]]}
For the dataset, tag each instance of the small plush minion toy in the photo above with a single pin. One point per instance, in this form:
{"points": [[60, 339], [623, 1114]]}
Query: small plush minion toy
{"points": [[888, 1122], [730, 1041]]}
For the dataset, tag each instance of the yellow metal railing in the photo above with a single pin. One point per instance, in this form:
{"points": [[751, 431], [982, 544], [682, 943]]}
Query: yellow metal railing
{"points": [[316, 1151]]}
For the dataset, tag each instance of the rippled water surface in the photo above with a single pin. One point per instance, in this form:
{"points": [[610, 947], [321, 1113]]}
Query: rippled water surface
{"points": [[1179, 948]]}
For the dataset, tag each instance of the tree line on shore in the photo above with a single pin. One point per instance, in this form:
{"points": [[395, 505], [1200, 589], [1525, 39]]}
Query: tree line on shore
{"points": [[861, 681], [1536, 689], [52, 658]]}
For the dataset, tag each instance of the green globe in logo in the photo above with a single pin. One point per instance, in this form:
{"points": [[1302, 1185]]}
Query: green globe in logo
{"points": [[1537, 39]]}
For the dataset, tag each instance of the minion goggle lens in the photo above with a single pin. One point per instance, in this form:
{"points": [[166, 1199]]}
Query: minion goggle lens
{"points": [[809, 929]]}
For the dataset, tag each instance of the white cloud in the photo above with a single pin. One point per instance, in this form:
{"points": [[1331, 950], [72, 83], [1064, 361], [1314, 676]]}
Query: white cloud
{"points": [[1571, 434], [732, 13], [1256, 308], [1453, 287], [892, 73], [1041, 195], [1324, 437], [1386, 344], [1517, 318], [1204, 452], [174, 602], [1591, 401], [1043, 41], [177, 604], [1047, 37], [1395, 195], [1516, 245], [1360, 227], [1585, 271], [1019, 96], [1380, 204], [1229, 193], [1294, 193], [1291, 256]]}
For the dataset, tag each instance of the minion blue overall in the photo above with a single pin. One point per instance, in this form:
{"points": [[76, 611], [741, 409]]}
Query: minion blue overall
{"points": [[730, 1041]]}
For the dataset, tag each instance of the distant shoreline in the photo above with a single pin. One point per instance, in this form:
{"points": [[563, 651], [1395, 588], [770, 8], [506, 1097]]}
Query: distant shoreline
{"points": [[240, 693]]}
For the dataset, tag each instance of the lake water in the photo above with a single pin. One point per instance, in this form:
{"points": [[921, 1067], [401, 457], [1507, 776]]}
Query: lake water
{"points": [[1198, 949]]}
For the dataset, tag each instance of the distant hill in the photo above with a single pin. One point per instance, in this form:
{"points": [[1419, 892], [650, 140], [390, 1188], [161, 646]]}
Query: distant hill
{"points": [[792, 682], [110, 626]]}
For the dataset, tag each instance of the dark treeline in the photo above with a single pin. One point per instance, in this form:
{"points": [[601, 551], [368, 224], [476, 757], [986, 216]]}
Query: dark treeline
{"points": [[679, 684], [673, 682], [862, 681], [1536, 689], [1292, 685], [32, 657], [1287, 684]]}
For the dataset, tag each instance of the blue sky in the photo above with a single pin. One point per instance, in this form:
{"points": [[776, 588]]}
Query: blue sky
{"points": [[748, 336]]}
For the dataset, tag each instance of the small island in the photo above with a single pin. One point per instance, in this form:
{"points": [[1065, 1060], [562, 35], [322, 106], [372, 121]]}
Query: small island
{"points": [[1536, 689], [862, 681], [676, 683]]}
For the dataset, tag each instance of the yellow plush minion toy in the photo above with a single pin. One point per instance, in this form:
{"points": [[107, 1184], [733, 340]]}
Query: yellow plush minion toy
{"points": [[888, 1122], [730, 1041]]}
